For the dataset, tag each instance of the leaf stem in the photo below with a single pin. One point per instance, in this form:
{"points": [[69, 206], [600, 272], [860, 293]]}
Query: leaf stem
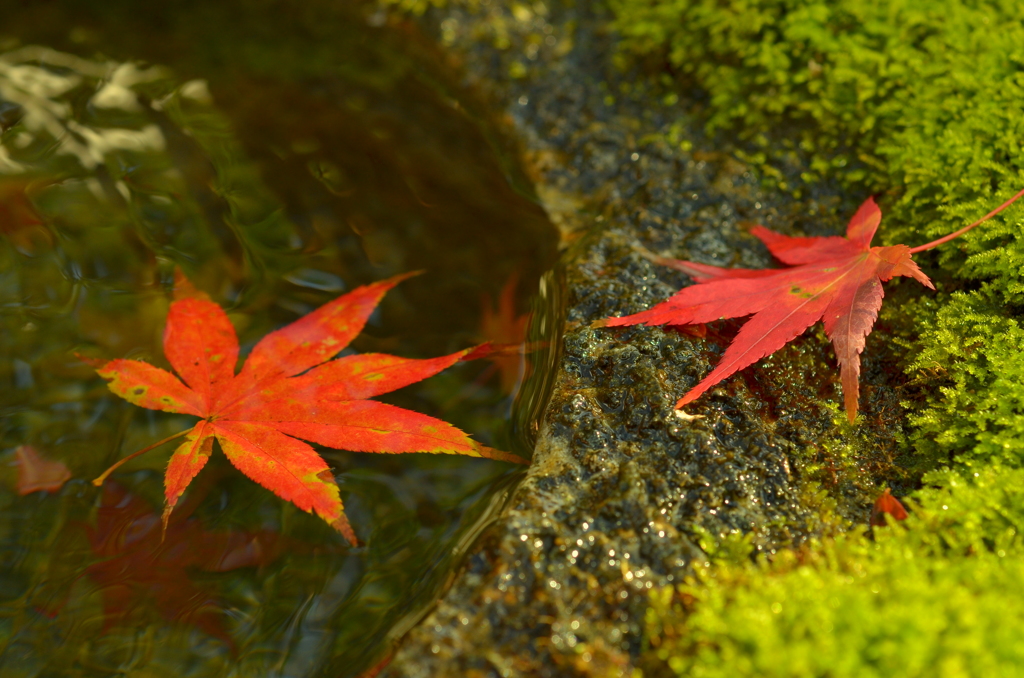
{"points": [[500, 455], [103, 477], [956, 234]]}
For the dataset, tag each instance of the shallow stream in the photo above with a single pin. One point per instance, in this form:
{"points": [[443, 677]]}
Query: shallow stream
{"points": [[280, 154]]}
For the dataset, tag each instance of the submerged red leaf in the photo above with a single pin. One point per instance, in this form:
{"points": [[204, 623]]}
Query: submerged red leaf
{"points": [[140, 566], [287, 389], [19, 220], [37, 473]]}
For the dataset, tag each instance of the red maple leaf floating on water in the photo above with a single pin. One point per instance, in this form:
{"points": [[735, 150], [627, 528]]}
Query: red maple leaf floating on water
{"points": [[287, 389], [832, 278]]}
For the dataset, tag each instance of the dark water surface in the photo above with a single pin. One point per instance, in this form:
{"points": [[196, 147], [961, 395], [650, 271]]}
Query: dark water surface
{"points": [[280, 154]]}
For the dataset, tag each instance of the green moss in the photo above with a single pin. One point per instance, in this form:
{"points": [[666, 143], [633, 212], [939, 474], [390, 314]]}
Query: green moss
{"points": [[972, 362], [847, 464], [939, 596]]}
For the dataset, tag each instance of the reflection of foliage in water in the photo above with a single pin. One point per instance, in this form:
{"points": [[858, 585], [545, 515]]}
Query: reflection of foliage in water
{"points": [[122, 173]]}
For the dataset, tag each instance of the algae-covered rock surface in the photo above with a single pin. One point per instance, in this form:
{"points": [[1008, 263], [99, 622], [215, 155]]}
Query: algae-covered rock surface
{"points": [[625, 495]]}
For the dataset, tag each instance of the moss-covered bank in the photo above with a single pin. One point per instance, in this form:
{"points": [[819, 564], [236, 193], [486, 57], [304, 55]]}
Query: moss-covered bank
{"points": [[923, 103], [938, 596]]}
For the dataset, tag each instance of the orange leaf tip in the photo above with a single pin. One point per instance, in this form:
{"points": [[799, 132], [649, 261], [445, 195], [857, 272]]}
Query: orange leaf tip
{"points": [[342, 525]]}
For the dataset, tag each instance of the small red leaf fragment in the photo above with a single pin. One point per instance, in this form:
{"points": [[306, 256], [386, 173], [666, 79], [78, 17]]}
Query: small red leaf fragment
{"points": [[864, 223], [259, 415], [887, 504], [37, 473]]}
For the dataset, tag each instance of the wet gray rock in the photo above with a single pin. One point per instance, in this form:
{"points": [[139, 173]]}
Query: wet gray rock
{"points": [[624, 492]]}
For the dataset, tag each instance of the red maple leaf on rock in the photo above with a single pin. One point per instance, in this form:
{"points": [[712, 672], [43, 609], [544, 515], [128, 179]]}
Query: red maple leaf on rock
{"points": [[288, 388], [836, 279]]}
